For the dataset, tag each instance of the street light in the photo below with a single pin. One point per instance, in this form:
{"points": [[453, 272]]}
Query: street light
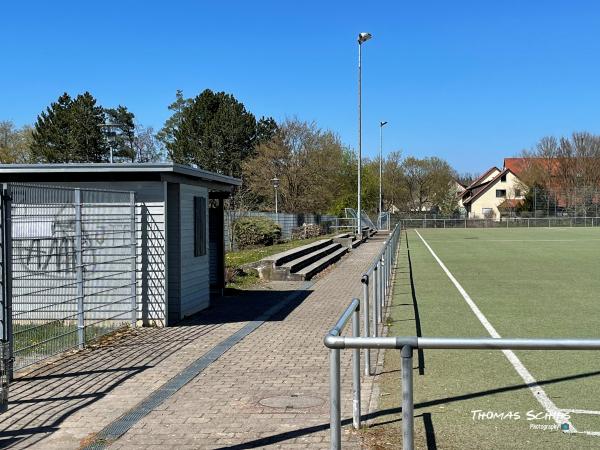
{"points": [[381, 125], [362, 37], [275, 182], [111, 136]]}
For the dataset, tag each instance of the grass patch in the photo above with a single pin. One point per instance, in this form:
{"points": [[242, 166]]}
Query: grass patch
{"points": [[34, 342]]}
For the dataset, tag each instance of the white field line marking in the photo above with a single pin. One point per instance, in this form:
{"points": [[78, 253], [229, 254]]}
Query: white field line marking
{"points": [[581, 411], [535, 388]]}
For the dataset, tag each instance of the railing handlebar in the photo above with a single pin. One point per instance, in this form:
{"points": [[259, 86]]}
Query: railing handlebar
{"points": [[399, 342], [344, 318]]}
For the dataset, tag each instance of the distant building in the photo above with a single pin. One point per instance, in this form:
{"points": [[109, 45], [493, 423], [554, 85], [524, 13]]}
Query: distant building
{"points": [[494, 194]]}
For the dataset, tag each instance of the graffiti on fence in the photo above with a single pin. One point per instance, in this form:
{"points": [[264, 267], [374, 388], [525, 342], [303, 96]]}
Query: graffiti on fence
{"points": [[50, 245]]}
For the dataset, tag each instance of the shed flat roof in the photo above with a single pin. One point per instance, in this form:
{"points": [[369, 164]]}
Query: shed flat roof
{"points": [[119, 168]]}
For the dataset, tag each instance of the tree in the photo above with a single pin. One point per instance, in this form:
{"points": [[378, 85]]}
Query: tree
{"points": [[14, 143], [75, 130], [309, 163], [213, 131], [51, 134], [146, 146], [86, 138], [428, 182], [122, 141], [70, 130], [395, 192], [167, 134]]}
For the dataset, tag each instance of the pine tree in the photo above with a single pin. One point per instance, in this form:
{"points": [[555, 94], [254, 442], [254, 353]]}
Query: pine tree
{"points": [[86, 136], [51, 140], [71, 130], [213, 131], [122, 143]]}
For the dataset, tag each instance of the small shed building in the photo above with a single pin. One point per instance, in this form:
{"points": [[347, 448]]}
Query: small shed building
{"points": [[179, 227]]}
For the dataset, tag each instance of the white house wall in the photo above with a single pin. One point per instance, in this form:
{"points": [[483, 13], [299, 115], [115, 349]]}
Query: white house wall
{"points": [[489, 200]]}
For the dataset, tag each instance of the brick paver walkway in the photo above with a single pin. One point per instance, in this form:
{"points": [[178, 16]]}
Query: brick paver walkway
{"points": [[64, 404]]}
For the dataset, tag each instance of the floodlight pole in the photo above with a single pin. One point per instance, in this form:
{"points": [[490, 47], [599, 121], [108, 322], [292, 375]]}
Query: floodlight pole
{"points": [[380, 207], [275, 182], [362, 37]]}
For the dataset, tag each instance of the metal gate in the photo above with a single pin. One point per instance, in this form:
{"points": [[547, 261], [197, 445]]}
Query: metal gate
{"points": [[68, 269]]}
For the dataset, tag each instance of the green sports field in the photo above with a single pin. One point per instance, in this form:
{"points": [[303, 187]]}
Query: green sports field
{"points": [[527, 283]]}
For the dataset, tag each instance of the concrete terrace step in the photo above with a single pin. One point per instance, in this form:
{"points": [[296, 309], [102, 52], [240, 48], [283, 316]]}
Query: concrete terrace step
{"points": [[345, 239], [279, 259], [296, 264], [310, 271], [341, 236]]}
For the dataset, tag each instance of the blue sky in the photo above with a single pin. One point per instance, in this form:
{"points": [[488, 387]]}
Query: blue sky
{"points": [[469, 81]]}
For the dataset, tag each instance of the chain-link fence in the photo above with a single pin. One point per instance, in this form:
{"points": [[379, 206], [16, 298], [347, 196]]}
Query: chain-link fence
{"points": [[574, 202], [71, 276], [507, 222]]}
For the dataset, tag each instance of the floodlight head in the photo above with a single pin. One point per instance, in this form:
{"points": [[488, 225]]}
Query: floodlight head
{"points": [[382, 123], [363, 37]]}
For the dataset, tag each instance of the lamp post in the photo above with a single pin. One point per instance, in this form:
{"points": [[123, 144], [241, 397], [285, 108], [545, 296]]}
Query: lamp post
{"points": [[362, 37], [111, 136], [275, 182], [380, 207]]}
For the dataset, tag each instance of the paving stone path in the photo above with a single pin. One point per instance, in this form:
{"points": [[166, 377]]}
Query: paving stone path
{"points": [[268, 390]]}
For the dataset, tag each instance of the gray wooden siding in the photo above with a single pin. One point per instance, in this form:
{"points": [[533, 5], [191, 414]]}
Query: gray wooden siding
{"points": [[174, 255], [195, 283]]}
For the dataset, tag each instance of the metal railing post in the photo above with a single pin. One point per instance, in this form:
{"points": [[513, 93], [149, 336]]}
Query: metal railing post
{"points": [[7, 319], [133, 260], [407, 398], [367, 321], [381, 289], [375, 298], [334, 399], [356, 371], [79, 269]]}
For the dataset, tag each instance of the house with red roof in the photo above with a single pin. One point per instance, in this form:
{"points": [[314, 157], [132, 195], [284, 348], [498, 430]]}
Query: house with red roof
{"points": [[497, 192]]}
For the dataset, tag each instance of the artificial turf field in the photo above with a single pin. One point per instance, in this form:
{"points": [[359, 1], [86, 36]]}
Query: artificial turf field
{"points": [[539, 282]]}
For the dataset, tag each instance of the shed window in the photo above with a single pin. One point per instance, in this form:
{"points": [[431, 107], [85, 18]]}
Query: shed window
{"points": [[199, 226], [500, 193]]}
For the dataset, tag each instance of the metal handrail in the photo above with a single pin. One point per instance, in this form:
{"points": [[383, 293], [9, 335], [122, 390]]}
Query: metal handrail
{"points": [[381, 272], [407, 344], [379, 275]]}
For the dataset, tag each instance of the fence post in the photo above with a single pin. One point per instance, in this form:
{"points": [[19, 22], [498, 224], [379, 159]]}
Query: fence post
{"points": [[375, 297], [6, 338], [407, 398], [383, 287], [79, 269], [334, 399], [356, 370], [367, 319], [133, 260]]}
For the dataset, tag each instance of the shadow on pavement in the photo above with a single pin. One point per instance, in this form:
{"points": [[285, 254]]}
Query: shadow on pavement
{"points": [[43, 398]]}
